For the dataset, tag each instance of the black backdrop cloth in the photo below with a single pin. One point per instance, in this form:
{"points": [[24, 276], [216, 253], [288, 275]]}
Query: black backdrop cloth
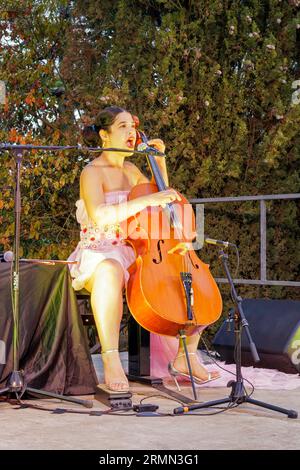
{"points": [[53, 349]]}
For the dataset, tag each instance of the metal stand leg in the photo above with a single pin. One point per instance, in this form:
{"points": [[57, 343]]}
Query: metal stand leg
{"points": [[183, 338]]}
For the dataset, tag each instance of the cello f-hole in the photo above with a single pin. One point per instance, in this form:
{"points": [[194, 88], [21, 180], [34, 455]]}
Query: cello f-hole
{"points": [[196, 266], [159, 251]]}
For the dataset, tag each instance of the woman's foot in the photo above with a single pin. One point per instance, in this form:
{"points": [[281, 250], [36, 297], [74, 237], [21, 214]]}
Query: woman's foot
{"points": [[198, 370], [114, 375]]}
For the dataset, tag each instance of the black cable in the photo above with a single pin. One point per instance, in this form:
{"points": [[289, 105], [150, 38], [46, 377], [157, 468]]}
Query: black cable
{"points": [[118, 412], [162, 396], [221, 409], [223, 368]]}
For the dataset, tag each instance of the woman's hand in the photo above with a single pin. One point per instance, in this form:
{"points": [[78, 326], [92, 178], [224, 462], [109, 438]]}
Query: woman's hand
{"points": [[158, 144], [162, 198]]}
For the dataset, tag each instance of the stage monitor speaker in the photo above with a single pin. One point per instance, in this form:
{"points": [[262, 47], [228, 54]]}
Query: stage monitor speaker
{"points": [[275, 329]]}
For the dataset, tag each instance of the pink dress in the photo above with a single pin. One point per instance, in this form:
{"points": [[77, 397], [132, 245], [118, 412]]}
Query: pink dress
{"points": [[96, 245]]}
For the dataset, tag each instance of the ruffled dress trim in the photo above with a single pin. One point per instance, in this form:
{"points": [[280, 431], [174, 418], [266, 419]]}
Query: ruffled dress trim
{"points": [[97, 244]]}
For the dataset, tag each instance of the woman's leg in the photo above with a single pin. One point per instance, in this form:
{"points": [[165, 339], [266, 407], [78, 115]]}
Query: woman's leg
{"points": [[198, 369], [106, 287]]}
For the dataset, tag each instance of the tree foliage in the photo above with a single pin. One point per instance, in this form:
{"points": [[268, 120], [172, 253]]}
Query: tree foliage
{"points": [[217, 80]]}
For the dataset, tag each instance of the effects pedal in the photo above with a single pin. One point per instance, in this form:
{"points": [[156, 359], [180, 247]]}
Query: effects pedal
{"points": [[114, 400]]}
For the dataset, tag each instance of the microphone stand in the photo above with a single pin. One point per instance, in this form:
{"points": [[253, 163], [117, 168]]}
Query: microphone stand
{"points": [[80, 148], [15, 383], [238, 393]]}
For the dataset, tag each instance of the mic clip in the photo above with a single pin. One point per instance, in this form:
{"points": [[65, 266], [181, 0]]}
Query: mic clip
{"points": [[144, 148], [229, 319]]}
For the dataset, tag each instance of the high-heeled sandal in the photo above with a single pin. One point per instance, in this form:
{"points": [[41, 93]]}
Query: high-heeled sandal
{"points": [[112, 382], [176, 373]]}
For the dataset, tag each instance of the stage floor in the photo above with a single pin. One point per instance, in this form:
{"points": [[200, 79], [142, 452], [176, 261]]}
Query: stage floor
{"points": [[244, 427]]}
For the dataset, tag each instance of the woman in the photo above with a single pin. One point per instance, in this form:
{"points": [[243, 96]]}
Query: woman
{"points": [[102, 254]]}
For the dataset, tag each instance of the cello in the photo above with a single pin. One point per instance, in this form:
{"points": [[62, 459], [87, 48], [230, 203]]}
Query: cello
{"points": [[168, 293]]}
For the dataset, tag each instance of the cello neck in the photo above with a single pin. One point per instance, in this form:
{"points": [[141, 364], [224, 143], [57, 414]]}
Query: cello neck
{"points": [[161, 185]]}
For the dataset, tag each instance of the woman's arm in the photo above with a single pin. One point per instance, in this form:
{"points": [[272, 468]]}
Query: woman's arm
{"points": [[102, 214]]}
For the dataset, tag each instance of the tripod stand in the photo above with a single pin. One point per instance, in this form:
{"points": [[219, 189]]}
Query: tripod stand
{"points": [[15, 383], [238, 393]]}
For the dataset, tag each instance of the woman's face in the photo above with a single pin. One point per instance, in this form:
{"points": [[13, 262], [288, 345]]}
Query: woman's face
{"points": [[122, 133]]}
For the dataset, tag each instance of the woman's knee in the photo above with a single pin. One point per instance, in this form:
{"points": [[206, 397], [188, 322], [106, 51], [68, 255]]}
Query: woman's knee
{"points": [[110, 266], [110, 271]]}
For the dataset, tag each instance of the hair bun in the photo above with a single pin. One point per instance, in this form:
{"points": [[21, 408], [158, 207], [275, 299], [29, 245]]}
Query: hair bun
{"points": [[104, 121], [90, 136]]}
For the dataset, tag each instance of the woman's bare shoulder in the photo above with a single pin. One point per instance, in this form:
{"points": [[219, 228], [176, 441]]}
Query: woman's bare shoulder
{"points": [[91, 183], [91, 174], [90, 171], [92, 167]]}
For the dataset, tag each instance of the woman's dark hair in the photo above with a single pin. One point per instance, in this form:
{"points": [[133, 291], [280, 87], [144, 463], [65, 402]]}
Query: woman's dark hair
{"points": [[104, 120]]}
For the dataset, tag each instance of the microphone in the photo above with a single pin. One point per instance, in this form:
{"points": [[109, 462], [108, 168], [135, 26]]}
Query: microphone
{"points": [[212, 241], [7, 256], [145, 148]]}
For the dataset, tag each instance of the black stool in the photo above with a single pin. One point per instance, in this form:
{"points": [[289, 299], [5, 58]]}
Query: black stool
{"points": [[87, 317]]}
